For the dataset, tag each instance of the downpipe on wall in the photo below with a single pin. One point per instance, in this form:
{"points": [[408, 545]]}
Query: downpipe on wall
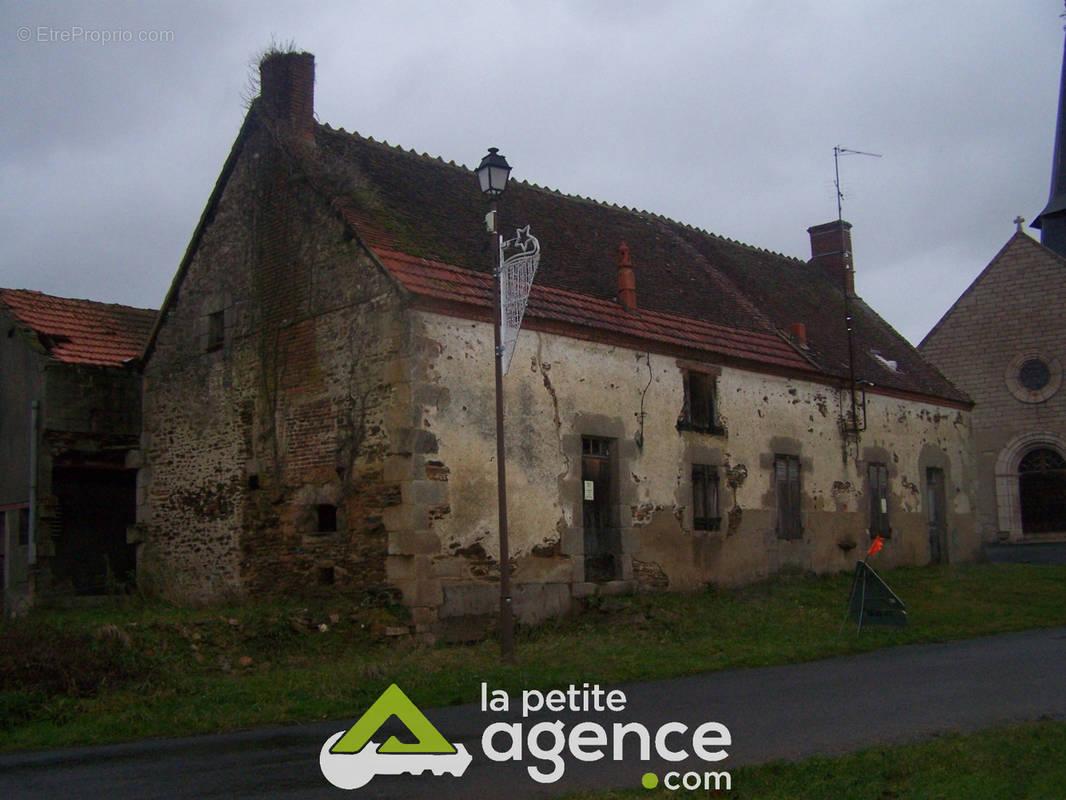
{"points": [[31, 549]]}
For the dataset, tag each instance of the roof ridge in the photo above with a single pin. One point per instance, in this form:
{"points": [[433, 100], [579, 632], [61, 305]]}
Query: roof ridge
{"points": [[104, 303], [384, 143]]}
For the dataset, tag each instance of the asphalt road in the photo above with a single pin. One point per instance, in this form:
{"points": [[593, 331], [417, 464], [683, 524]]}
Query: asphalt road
{"points": [[790, 712]]}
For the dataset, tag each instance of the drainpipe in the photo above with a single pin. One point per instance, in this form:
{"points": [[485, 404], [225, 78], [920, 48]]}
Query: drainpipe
{"points": [[31, 552]]}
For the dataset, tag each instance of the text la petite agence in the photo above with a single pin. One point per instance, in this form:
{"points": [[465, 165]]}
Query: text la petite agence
{"points": [[588, 741]]}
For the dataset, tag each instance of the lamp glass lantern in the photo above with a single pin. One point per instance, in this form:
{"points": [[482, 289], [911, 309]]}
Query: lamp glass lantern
{"points": [[493, 172]]}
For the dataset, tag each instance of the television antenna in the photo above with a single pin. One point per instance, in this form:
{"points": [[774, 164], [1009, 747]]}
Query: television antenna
{"points": [[839, 151], [854, 426]]}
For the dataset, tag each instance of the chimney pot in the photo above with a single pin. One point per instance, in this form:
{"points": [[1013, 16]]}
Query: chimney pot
{"points": [[287, 89], [799, 333], [627, 279]]}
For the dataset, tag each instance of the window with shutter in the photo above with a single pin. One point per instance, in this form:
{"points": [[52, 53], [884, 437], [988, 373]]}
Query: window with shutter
{"points": [[700, 411], [787, 485], [705, 514]]}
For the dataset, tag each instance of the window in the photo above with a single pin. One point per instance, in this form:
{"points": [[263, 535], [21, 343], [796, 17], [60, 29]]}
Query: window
{"points": [[700, 412], [787, 486], [705, 514], [877, 475], [216, 330], [597, 448], [1033, 377], [1034, 374], [327, 518]]}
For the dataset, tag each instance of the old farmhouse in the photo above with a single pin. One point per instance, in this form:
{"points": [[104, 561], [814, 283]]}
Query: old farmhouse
{"points": [[318, 394]]}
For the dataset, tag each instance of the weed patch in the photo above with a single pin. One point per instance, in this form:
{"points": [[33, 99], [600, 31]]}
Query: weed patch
{"points": [[38, 659]]}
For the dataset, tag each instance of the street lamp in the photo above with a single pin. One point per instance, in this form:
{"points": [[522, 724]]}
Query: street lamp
{"points": [[492, 173], [492, 176]]}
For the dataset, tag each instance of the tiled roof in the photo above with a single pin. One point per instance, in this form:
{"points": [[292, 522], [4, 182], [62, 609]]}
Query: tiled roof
{"points": [[80, 331], [699, 285], [452, 285]]}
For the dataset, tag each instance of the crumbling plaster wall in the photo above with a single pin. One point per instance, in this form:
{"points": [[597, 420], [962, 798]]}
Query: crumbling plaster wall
{"points": [[560, 389]]}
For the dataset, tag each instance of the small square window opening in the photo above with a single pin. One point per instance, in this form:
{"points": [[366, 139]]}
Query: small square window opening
{"points": [[327, 518], [216, 330]]}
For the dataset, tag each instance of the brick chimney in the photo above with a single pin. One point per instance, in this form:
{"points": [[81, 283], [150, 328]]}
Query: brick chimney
{"points": [[627, 279], [831, 252], [287, 91]]}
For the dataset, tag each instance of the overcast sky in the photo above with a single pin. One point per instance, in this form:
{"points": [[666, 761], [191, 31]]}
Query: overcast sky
{"points": [[721, 114]]}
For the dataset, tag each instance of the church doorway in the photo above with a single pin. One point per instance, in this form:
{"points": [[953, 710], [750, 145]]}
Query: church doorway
{"points": [[1042, 491]]}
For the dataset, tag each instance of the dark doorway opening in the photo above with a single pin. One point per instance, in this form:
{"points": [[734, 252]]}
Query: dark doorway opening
{"points": [[96, 504], [1042, 491], [603, 545]]}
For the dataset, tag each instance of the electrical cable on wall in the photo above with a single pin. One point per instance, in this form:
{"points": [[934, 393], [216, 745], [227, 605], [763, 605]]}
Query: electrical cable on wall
{"points": [[639, 438]]}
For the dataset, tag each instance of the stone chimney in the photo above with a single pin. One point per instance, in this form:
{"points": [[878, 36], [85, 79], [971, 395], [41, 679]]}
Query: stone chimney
{"points": [[287, 92], [627, 279], [831, 252]]}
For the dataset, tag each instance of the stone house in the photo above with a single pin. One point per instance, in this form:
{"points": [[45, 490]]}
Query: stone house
{"points": [[70, 399], [318, 394]]}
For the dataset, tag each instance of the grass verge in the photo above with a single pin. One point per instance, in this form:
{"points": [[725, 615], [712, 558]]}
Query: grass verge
{"points": [[1021, 762], [185, 671]]}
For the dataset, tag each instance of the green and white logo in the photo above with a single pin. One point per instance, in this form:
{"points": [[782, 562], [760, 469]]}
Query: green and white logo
{"points": [[350, 759]]}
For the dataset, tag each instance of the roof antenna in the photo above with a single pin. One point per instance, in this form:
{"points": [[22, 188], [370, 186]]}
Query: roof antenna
{"points": [[852, 426], [839, 151]]}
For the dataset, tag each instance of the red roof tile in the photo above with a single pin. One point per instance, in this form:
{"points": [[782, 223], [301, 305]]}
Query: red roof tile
{"points": [[80, 331], [434, 279]]}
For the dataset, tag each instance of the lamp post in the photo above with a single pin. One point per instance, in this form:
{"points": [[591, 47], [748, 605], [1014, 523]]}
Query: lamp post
{"points": [[492, 176]]}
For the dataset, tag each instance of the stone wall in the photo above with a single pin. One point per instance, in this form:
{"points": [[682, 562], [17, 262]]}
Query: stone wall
{"points": [[264, 452], [1012, 312]]}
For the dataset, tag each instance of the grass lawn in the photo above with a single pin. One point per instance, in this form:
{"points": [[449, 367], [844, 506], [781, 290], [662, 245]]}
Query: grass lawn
{"points": [[132, 669], [1019, 762]]}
